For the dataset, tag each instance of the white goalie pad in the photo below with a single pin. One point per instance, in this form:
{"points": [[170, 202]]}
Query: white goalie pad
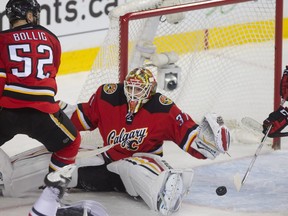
{"points": [[23, 173], [6, 169], [154, 180]]}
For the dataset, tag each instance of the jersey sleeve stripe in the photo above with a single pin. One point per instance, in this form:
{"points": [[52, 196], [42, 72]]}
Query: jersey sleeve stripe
{"points": [[3, 75], [30, 91], [81, 118]]}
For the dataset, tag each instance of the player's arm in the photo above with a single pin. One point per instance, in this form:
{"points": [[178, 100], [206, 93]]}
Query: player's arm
{"points": [[206, 140], [284, 84], [80, 114], [2, 77], [58, 51], [83, 115], [279, 118]]}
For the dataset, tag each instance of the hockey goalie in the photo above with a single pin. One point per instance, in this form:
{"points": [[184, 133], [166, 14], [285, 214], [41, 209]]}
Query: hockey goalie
{"points": [[134, 121]]}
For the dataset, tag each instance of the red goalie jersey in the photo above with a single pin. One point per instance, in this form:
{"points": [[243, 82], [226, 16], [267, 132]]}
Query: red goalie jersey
{"points": [[29, 61], [157, 121]]}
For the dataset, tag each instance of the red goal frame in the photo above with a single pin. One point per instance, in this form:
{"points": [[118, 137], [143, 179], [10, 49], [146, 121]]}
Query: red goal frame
{"points": [[124, 31]]}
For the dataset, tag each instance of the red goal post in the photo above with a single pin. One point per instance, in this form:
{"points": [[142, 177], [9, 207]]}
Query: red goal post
{"points": [[222, 62]]}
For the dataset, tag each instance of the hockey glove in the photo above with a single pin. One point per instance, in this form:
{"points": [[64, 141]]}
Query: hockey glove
{"points": [[278, 119], [284, 84], [213, 136]]}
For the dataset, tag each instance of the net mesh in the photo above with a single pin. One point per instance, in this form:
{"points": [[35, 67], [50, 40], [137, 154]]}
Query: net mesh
{"points": [[223, 54]]}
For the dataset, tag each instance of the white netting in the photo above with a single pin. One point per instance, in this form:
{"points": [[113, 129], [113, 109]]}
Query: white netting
{"points": [[224, 52]]}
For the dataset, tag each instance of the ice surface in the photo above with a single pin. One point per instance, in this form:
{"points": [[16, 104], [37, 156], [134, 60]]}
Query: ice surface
{"points": [[265, 189], [264, 193]]}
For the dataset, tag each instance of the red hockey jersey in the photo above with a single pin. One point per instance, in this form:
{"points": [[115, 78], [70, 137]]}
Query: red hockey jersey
{"points": [[29, 61], [157, 121]]}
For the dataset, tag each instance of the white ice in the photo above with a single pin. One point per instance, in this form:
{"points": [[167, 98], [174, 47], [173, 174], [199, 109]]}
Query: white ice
{"points": [[264, 193]]}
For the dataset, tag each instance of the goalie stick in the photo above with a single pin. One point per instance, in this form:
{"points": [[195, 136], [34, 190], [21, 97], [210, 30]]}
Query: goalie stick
{"points": [[41, 150], [94, 152], [238, 182], [255, 126]]}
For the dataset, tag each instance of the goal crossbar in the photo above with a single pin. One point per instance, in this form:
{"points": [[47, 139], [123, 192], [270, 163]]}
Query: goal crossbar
{"points": [[124, 29]]}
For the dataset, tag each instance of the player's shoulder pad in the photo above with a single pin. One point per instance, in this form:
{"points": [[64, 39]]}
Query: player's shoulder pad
{"points": [[113, 93], [159, 103]]}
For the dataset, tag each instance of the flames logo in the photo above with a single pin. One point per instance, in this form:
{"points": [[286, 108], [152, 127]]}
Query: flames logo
{"points": [[165, 100], [110, 88]]}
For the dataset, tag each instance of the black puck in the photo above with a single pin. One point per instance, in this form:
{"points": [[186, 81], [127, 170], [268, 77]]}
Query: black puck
{"points": [[222, 190]]}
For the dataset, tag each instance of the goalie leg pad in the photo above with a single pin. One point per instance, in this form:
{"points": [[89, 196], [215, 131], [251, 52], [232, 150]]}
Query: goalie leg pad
{"points": [[6, 170], [176, 186], [150, 177], [23, 174], [170, 196]]}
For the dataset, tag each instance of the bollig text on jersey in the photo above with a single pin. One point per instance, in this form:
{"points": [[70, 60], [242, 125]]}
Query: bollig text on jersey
{"points": [[28, 35]]}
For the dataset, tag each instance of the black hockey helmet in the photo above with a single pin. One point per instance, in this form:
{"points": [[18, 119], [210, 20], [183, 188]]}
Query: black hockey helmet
{"points": [[18, 9]]}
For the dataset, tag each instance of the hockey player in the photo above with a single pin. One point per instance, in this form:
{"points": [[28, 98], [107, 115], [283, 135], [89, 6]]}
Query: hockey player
{"points": [[135, 120], [29, 61], [279, 118]]}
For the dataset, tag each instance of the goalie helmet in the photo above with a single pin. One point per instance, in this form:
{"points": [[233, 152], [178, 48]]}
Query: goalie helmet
{"points": [[18, 9], [139, 86]]}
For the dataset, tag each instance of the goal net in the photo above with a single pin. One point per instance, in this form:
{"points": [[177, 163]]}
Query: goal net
{"points": [[207, 56]]}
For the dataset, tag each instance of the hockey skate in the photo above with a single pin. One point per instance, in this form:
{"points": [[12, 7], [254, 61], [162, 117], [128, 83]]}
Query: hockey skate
{"points": [[82, 208], [60, 179], [170, 196]]}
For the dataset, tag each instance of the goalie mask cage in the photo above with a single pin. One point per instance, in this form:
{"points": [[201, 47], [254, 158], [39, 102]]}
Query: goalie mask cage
{"points": [[222, 56]]}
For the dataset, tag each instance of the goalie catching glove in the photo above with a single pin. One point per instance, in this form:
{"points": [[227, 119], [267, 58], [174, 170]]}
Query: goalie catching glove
{"points": [[213, 136], [278, 119]]}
